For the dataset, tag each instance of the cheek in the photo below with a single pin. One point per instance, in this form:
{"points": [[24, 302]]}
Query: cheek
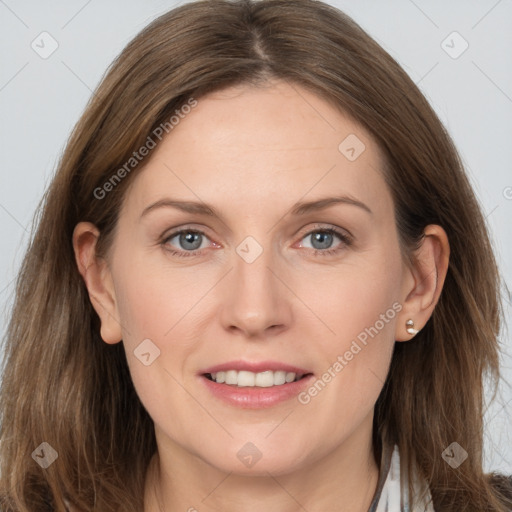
{"points": [[153, 307], [356, 298], [160, 305], [153, 300], [360, 307]]}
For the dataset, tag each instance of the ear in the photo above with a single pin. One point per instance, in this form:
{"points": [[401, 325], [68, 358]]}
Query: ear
{"points": [[423, 282], [98, 280]]}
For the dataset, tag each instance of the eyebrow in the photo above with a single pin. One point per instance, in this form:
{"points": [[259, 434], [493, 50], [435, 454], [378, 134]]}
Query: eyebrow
{"points": [[300, 208]]}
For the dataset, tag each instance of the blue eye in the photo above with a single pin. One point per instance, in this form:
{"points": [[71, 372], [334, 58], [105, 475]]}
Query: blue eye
{"points": [[324, 239], [189, 241]]}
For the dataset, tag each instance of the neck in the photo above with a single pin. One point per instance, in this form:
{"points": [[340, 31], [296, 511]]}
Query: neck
{"points": [[343, 480]]}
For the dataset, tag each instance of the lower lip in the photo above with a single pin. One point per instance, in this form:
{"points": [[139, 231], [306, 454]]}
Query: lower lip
{"points": [[256, 397]]}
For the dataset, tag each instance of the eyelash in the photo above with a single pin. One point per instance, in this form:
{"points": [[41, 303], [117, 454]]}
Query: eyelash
{"points": [[346, 239]]}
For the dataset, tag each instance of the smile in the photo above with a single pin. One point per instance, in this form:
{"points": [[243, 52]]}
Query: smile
{"points": [[245, 378]]}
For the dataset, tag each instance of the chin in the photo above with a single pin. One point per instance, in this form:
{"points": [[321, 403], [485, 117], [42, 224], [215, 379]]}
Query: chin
{"points": [[250, 460]]}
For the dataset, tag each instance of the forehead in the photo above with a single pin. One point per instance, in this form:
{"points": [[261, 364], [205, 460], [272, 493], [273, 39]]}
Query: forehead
{"points": [[250, 146]]}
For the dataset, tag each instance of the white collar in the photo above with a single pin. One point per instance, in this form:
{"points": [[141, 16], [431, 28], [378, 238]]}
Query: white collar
{"points": [[392, 494]]}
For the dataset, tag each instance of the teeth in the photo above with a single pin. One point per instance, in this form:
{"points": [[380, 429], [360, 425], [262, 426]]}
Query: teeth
{"points": [[290, 377], [231, 377], [245, 379], [250, 379]]}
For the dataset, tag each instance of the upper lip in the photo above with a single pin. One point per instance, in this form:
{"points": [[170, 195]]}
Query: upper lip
{"points": [[255, 367]]}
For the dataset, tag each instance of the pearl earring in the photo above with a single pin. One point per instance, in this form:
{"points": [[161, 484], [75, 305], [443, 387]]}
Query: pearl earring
{"points": [[410, 327]]}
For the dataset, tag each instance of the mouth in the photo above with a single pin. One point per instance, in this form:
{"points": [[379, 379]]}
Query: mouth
{"points": [[252, 385], [244, 378]]}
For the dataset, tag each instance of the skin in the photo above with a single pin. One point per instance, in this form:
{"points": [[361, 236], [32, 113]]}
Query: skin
{"points": [[252, 153]]}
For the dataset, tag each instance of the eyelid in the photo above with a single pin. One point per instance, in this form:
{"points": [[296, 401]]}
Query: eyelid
{"points": [[306, 231], [318, 226], [185, 227]]}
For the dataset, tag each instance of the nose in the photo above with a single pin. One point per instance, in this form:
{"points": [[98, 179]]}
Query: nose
{"points": [[256, 301]]}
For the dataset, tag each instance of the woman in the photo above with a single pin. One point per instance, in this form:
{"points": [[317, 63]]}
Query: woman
{"points": [[258, 368]]}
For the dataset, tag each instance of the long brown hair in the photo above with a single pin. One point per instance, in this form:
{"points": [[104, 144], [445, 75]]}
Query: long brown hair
{"points": [[64, 386]]}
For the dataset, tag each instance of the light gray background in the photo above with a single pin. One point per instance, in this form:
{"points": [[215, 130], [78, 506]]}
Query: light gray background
{"points": [[41, 100]]}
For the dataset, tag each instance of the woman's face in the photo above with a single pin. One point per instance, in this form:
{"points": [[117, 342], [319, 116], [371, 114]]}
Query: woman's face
{"points": [[255, 290]]}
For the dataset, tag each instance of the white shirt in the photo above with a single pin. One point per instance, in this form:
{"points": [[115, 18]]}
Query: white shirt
{"points": [[392, 494]]}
